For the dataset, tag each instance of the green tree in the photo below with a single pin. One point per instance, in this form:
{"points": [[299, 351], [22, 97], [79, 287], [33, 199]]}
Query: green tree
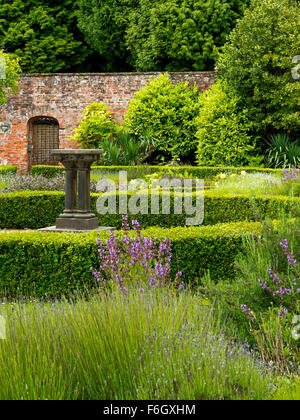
{"points": [[9, 76], [223, 129], [257, 63], [96, 126], [167, 112], [179, 35], [103, 23], [43, 34]]}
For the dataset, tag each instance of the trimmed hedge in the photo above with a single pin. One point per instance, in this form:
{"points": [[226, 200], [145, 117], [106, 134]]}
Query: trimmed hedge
{"points": [[47, 171], [9, 169], [30, 209], [52, 264], [138, 171], [33, 210]]}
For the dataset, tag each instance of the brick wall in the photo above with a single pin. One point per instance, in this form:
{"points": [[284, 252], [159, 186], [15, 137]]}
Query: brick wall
{"points": [[64, 97]]}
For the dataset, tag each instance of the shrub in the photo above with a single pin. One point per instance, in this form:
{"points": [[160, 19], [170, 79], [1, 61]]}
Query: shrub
{"points": [[139, 171], [179, 35], [168, 112], [38, 209], [257, 63], [47, 171], [288, 389], [9, 169], [128, 263], [9, 75], [15, 183], [49, 264], [264, 299], [96, 126], [223, 130], [30, 209], [125, 148], [283, 152], [33, 183]]}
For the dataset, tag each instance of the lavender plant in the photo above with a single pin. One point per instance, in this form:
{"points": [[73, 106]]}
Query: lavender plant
{"points": [[264, 298], [272, 328], [287, 184], [291, 180], [135, 261], [18, 182], [283, 291]]}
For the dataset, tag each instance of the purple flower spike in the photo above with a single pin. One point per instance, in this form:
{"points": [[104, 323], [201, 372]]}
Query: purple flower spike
{"points": [[134, 260]]}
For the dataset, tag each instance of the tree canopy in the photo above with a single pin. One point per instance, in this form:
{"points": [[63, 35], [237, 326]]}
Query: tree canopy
{"points": [[103, 24], [43, 34], [179, 35], [116, 35], [257, 64], [9, 76], [150, 35]]}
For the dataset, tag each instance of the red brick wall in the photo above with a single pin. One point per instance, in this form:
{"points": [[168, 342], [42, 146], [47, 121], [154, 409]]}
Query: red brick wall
{"points": [[64, 97]]}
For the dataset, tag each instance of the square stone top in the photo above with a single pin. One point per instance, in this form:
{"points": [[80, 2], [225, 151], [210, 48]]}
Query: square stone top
{"points": [[76, 152], [81, 157]]}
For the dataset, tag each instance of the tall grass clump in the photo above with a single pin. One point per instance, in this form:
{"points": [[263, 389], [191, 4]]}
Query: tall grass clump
{"points": [[152, 344]]}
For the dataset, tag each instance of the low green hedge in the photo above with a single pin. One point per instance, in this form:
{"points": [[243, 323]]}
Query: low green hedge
{"points": [[47, 171], [204, 172], [33, 210], [9, 169], [30, 209], [217, 209], [51, 264]]}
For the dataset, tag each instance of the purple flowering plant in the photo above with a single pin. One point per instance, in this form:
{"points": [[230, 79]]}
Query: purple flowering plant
{"points": [[289, 183], [16, 182], [281, 289], [135, 261]]}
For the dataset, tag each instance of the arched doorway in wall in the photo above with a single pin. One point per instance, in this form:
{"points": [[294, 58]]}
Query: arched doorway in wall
{"points": [[43, 136]]}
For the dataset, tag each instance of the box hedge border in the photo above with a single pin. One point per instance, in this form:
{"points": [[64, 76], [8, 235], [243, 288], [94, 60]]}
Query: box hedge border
{"points": [[34, 209], [53, 264], [46, 171], [204, 172], [9, 169]]}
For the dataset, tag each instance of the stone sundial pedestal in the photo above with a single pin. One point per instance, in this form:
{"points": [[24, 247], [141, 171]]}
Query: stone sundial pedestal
{"points": [[77, 216]]}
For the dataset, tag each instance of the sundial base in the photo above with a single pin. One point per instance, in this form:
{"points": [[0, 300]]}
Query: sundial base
{"points": [[55, 229]]}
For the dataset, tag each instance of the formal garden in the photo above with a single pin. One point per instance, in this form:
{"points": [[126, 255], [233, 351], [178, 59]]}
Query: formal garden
{"points": [[158, 309]]}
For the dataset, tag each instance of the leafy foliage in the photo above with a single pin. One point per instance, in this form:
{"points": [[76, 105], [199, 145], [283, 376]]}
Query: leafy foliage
{"points": [[127, 263], [103, 24], [113, 345], [125, 148], [96, 127], [168, 112], [257, 63], [223, 129], [9, 76], [43, 34], [16, 182], [282, 152], [176, 35], [47, 171], [9, 169], [38, 265], [25, 209], [270, 266]]}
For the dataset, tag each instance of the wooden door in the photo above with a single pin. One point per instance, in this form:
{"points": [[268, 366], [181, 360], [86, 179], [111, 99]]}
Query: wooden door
{"points": [[44, 138]]}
